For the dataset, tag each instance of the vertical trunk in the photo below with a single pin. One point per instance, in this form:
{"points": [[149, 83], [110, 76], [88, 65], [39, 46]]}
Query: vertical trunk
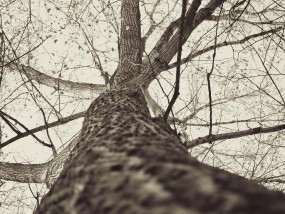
{"points": [[126, 162], [130, 42]]}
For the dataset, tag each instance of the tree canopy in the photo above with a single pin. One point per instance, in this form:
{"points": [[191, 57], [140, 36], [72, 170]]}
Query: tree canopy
{"points": [[56, 57]]}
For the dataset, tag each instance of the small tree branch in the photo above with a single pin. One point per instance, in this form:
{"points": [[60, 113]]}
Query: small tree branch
{"points": [[43, 97], [231, 135], [23, 173], [66, 85], [270, 76], [51, 143], [179, 52], [151, 103], [56, 165], [166, 48], [195, 54], [43, 127], [37, 173], [209, 78], [25, 128], [17, 58]]}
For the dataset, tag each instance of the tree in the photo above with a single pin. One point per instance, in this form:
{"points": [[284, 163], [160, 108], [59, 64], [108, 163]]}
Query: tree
{"points": [[126, 161]]}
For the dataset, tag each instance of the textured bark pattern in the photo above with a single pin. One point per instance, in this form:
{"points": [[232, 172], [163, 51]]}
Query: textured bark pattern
{"points": [[56, 165], [126, 162], [84, 89], [24, 173], [132, 71], [166, 48], [131, 47]]}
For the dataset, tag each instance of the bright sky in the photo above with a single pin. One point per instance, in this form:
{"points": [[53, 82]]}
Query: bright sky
{"points": [[67, 54]]}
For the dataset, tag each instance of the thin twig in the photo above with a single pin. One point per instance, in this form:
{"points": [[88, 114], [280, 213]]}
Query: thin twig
{"points": [[231, 135], [13, 127], [43, 127], [21, 56], [42, 96], [26, 129], [53, 147], [209, 78], [272, 80], [180, 43]]}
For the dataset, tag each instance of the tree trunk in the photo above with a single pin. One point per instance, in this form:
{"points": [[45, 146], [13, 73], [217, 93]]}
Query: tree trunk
{"points": [[127, 162]]}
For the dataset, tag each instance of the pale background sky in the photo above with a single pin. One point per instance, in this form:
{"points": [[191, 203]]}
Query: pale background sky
{"points": [[66, 54]]}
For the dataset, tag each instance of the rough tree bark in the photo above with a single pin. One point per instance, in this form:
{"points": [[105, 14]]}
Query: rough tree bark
{"points": [[127, 162]]}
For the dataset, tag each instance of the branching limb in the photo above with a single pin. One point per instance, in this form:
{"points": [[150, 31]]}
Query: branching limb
{"points": [[23, 173], [130, 43], [66, 85], [151, 103], [215, 102], [58, 114], [251, 120], [179, 52], [37, 173], [25, 128], [153, 24], [195, 54], [166, 47], [209, 79], [270, 76], [43, 127], [47, 131], [56, 165], [231, 135]]}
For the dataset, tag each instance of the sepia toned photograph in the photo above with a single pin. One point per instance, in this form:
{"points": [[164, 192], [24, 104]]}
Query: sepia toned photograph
{"points": [[142, 107]]}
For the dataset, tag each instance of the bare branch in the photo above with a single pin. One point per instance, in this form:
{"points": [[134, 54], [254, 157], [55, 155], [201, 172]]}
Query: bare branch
{"points": [[47, 131], [65, 85], [23, 173], [270, 76], [226, 17], [252, 120], [43, 127], [231, 135], [25, 128], [37, 173], [193, 55], [152, 104], [209, 78], [166, 47], [153, 24], [56, 165], [179, 52]]}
